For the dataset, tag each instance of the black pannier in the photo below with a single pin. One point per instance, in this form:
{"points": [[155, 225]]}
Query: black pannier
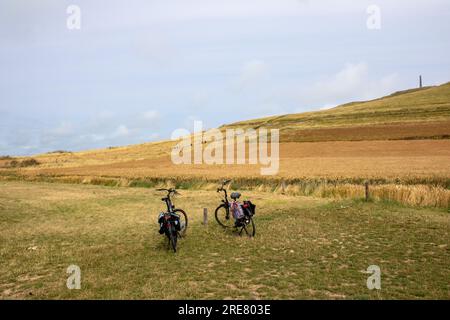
{"points": [[176, 220], [249, 208]]}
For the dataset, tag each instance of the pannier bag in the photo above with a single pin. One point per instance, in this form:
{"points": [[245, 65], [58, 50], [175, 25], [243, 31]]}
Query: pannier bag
{"points": [[237, 211], [249, 208], [162, 223], [176, 221]]}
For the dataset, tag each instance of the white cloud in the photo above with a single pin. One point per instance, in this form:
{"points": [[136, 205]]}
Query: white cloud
{"points": [[65, 128], [351, 83], [342, 84], [121, 131], [151, 115], [105, 115], [253, 73], [63, 132], [97, 137], [200, 99]]}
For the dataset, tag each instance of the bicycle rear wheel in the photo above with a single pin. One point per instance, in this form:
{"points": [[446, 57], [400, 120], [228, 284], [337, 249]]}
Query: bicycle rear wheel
{"points": [[173, 238]]}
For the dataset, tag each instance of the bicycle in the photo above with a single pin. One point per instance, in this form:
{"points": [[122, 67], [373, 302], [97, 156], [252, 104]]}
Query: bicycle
{"points": [[224, 216], [173, 222]]}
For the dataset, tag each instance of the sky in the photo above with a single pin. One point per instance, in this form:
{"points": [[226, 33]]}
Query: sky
{"points": [[134, 71]]}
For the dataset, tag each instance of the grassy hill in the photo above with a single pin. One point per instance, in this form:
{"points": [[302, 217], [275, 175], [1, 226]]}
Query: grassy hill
{"points": [[410, 114], [421, 113], [424, 104]]}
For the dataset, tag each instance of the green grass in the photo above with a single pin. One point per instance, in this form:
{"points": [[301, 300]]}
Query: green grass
{"points": [[305, 248]]}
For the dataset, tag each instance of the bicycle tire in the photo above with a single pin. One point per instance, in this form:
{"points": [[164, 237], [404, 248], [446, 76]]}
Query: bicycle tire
{"points": [[218, 214], [173, 238]]}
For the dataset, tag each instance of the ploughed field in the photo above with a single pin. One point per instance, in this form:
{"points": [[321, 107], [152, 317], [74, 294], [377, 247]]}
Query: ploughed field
{"points": [[305, 247]]}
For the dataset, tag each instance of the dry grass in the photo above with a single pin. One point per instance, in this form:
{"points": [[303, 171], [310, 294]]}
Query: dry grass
{"points": [[414, 172], [306, 248], [412, 195], [421, 195]]}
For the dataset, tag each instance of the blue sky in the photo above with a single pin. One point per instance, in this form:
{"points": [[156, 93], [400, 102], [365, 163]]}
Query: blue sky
{"points": [[137, 70]]}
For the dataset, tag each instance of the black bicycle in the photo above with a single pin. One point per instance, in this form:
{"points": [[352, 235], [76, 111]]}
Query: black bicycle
{"points": [[226, 212], [173, 223]]}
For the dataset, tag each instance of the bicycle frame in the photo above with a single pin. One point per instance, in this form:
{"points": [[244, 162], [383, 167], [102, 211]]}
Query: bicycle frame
{"points": [[169, 204], [168, 200], [225, 198], [224, 191]]}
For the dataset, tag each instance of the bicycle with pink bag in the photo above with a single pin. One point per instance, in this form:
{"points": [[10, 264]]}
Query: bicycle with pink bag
{"points": [[235, 214]]}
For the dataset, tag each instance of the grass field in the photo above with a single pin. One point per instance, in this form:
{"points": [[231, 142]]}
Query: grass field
{"points": [[305, 247]]}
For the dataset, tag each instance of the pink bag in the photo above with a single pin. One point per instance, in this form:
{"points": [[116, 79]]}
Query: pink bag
{"points": [[236, 210]]}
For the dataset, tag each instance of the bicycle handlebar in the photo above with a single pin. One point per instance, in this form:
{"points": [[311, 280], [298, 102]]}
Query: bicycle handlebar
{"points": [[224, 182], [169, 191]]}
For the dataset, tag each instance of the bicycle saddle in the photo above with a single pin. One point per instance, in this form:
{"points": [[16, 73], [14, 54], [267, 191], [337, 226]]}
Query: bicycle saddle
{"points": [[235, 195]]}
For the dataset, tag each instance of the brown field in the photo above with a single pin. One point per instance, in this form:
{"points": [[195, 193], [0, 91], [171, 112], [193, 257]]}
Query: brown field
{"points": [[344, 159], [393, 131], [413, 172]]}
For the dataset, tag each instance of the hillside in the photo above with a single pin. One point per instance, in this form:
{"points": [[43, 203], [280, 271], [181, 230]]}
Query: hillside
{"points": [[410, 114]]}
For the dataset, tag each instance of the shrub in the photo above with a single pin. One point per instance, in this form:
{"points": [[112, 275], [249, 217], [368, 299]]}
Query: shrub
{"points": [[24, 163], [13, 164], [29, 162]]}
